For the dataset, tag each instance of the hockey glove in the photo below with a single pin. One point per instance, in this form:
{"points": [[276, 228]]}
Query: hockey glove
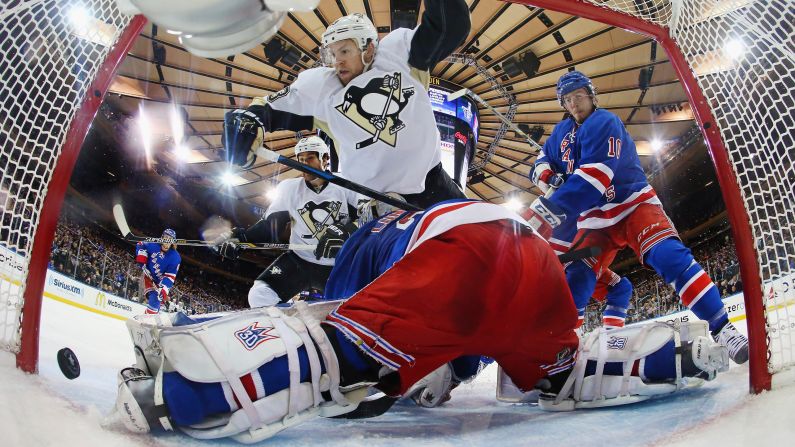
{"points": [[140, 253], [331, 239], [545, 178], [229, 248], [544, 216], [242, 136]]}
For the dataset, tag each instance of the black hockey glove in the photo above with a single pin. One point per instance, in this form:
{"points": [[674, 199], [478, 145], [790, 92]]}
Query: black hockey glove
{"points": [[242, 136], [332, 238], [229, 248]]}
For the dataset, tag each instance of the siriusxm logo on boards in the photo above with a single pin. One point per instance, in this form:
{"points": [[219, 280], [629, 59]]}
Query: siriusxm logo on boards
{"points": [[71, 288]]}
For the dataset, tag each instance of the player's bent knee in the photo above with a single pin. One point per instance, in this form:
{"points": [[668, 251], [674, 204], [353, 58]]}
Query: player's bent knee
{"points": [[261, 295], [669, 258]]}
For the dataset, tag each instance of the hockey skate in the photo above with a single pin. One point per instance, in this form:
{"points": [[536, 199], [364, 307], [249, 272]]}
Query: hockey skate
{"points": [[734, 341]]}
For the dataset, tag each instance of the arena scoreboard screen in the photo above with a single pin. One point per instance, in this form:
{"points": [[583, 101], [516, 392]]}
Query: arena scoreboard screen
{"points": [[458, 124]]}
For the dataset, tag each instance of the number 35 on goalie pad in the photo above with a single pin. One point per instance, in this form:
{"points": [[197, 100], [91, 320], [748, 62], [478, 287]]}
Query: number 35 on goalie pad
{"points": [[695, 357]]}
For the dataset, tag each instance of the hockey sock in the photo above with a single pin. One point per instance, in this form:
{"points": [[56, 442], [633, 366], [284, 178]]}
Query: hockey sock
{"points": [[618, 297], [191, 402], [582, 281], [152, 303], [674, 262]]}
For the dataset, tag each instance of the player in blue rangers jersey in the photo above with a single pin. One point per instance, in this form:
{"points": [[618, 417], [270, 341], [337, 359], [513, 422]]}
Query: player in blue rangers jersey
{"points": [[160, 264], [605, 188]]}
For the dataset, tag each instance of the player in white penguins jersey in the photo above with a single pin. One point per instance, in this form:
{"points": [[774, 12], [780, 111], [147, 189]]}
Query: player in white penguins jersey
{"points": [[372, 99], [309, 205]]}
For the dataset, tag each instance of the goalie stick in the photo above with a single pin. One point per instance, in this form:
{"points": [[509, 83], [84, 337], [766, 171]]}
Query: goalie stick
{"points": [[121, 222], [331, 178]]}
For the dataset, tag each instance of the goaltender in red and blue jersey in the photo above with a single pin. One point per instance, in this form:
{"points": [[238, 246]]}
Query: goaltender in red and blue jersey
{"points": [[444, 277]]}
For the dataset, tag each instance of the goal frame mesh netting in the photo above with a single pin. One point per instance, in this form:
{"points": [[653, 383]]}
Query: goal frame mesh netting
{"points": [[54, 79], [58, 59]]}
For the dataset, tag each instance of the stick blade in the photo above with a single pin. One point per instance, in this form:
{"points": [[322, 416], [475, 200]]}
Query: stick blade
{"points": [[121, 221]]}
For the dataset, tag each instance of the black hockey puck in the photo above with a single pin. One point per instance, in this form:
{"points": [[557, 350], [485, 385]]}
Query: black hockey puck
{"points": [[67, 361]]}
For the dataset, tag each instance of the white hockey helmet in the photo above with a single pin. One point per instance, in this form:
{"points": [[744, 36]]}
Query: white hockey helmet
{"points": [[353, 26], [312, 144]]}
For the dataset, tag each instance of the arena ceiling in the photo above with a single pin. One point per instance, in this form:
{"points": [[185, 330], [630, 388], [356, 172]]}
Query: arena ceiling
{"points": [[632, 75]]}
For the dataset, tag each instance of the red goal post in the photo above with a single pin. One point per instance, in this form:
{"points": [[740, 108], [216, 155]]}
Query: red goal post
{"points": [[57, 61], [748, 127]]}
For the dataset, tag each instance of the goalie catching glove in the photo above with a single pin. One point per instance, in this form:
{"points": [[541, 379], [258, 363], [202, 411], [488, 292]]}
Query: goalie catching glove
{"points": [[332, 238], [242, 136]]}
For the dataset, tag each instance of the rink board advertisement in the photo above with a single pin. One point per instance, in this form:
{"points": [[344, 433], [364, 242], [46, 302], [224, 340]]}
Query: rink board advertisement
{"points": [[779, 294], [67, 290]]}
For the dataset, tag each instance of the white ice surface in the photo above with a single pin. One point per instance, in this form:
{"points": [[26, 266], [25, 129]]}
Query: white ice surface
{"points": [[50, 410]]}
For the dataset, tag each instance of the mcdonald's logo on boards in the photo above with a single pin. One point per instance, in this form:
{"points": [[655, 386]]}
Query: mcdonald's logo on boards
{"points": [[102, 300]]}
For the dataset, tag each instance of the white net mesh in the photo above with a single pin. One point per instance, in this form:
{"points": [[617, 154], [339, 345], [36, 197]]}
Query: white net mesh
{"points": [[741, 53], [50, 52]]}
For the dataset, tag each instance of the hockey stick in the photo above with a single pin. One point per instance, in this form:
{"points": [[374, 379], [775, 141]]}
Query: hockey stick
{"points": [[582, 253], [121, 222], [331, 178]]}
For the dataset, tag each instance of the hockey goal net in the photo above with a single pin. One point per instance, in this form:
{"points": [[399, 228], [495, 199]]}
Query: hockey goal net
{"points": [[735, 60], [57, 59]]}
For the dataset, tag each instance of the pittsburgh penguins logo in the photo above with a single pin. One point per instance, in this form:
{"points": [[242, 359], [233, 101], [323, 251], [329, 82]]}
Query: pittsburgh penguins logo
{"points": [[319, 216], [378, 106]]}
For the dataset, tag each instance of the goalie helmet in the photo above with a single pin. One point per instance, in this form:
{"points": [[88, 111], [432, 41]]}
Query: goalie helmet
{"points": [[354, 26], [218, 28], [312, 144], [571, 81]]}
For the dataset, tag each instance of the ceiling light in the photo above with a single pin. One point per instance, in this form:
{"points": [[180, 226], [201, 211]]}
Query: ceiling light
{"points": [[228, 179], [182, 152], [145, 130], [79, 16], [734, 49], [177, 125], [513, 204], [271, 194], [656, 145]]}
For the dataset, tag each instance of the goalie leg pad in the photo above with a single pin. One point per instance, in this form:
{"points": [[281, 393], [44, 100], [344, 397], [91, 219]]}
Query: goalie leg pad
{"points": [[632, 350], [223, 351]]}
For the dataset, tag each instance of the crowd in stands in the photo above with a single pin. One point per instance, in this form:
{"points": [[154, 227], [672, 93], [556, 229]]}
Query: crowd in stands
{"points": [[652, 297], [90, 255]]}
